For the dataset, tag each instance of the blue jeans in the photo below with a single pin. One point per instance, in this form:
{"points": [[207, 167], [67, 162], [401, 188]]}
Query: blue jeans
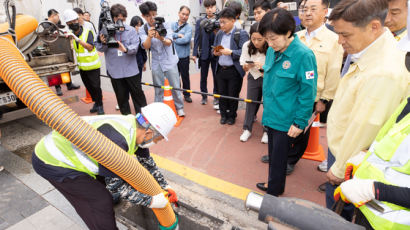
{"points": [[172, 75], [348, 209]]}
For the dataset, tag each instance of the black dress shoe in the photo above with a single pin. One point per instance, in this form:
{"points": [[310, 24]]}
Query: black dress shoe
{"points": [[322, 187], [262, 187], [289, 169], [94, 109], [72, 86], [265, 159], [230, 121], [58, 91], [100, 110], [223, 120], [188, 99]]}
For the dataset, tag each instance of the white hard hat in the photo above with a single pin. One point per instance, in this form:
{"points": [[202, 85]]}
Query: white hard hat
{"points": [[404, 43], [69, 15], [161, 117]]}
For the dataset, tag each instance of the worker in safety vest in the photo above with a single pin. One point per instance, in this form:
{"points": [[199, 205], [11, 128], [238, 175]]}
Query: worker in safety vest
{"points": [[80, 178], [87, 58], [383, 176]]}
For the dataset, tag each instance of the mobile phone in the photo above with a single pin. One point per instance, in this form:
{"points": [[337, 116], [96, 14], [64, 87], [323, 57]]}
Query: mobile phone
{"points": [[261, 70], [249, 62]]}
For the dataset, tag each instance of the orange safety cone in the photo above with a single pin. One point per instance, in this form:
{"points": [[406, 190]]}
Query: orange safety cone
{"points": [[314, 150], [169, 100], [87, 99]]}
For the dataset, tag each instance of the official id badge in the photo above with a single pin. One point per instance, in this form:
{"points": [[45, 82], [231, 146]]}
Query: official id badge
{"points": [[119, 53]]}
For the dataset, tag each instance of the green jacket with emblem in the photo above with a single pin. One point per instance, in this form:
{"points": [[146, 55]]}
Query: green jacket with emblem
{"points": [[289, 86]]}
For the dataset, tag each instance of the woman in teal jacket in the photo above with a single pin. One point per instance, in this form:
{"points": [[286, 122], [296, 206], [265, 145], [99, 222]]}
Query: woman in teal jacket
{"points": [[289, 91]]}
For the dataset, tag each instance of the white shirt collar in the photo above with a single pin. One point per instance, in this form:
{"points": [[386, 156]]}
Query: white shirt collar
{"points": [[313, 33], [355, 57]]}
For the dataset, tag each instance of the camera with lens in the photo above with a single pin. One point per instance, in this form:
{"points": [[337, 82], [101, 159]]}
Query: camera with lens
{"points": [[211, 24], [107, 25], [159, 26]]}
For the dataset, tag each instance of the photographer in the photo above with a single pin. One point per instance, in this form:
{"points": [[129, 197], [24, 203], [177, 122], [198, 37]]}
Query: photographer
{"points": [[202, 50], [121, 62], [157, 37]]}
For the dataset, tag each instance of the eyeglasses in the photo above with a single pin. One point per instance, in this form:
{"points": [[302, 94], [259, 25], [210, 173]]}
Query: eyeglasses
{"points": [[312, 10]]}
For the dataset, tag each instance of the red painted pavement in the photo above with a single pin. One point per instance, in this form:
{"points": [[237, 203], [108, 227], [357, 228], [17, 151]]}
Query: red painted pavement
{"points": [[201, 143]]}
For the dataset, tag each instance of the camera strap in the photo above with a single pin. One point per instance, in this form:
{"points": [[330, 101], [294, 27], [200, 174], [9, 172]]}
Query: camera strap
{"points": [[180, 28]]}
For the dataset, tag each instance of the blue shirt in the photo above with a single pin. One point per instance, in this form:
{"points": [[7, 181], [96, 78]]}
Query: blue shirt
{"points": [[163, 56], [119, 64], [226, 60], [289, 86], [182, 45]]}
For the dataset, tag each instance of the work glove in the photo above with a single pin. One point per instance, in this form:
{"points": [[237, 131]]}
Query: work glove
{"points": [[69, 34], [159, 201], [355, 191], [352, 164], [172, 196]]}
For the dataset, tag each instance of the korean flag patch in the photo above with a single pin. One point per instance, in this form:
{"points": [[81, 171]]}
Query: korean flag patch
{"points": [[310, 75]]}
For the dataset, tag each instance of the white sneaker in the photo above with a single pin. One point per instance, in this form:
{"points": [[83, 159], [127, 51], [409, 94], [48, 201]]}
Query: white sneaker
{"points": [[216, 107], [245, 136], [181, 113], [117, 107], [323, 166], [264, 138]]}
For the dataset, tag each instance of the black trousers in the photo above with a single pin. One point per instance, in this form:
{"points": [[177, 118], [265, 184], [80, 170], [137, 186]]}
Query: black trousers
{"points": [[123, 87], [183, 68], [254, 92], [92, 82], [301, 142], [229, 84], [91, 200], [204, 64], [279, 144]]}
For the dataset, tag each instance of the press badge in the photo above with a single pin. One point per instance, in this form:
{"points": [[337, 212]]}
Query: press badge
{"points": [[119, 53]]}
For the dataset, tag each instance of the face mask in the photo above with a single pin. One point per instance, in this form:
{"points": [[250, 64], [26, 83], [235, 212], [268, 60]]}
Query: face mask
{"points": [[146, 145], [74, 27]]}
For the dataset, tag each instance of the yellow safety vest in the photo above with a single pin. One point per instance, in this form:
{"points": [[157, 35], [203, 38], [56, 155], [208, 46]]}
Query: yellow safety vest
{"points": [[388, 161], [56, 150], [87, 60]]}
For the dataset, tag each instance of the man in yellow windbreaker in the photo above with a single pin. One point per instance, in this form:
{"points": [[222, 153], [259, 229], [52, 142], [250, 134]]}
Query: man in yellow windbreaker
{"points": [[374, 85]]}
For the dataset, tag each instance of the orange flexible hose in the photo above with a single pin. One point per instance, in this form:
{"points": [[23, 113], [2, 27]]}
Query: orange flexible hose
{"points": [[48, 107]]}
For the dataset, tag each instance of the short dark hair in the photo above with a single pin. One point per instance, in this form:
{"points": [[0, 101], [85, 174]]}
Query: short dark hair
{"points": [[51, 12], [184, 7], [136, 20], [360, 12], [236, 6], [227, 13], [325, 3], [278, 21], [148, 6], [78, 10], [118, 9], [251, 47], [263, 4], [208, 3]]}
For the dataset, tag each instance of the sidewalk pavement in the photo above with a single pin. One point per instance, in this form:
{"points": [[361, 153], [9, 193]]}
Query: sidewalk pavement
{"points": [[29, 202]]}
